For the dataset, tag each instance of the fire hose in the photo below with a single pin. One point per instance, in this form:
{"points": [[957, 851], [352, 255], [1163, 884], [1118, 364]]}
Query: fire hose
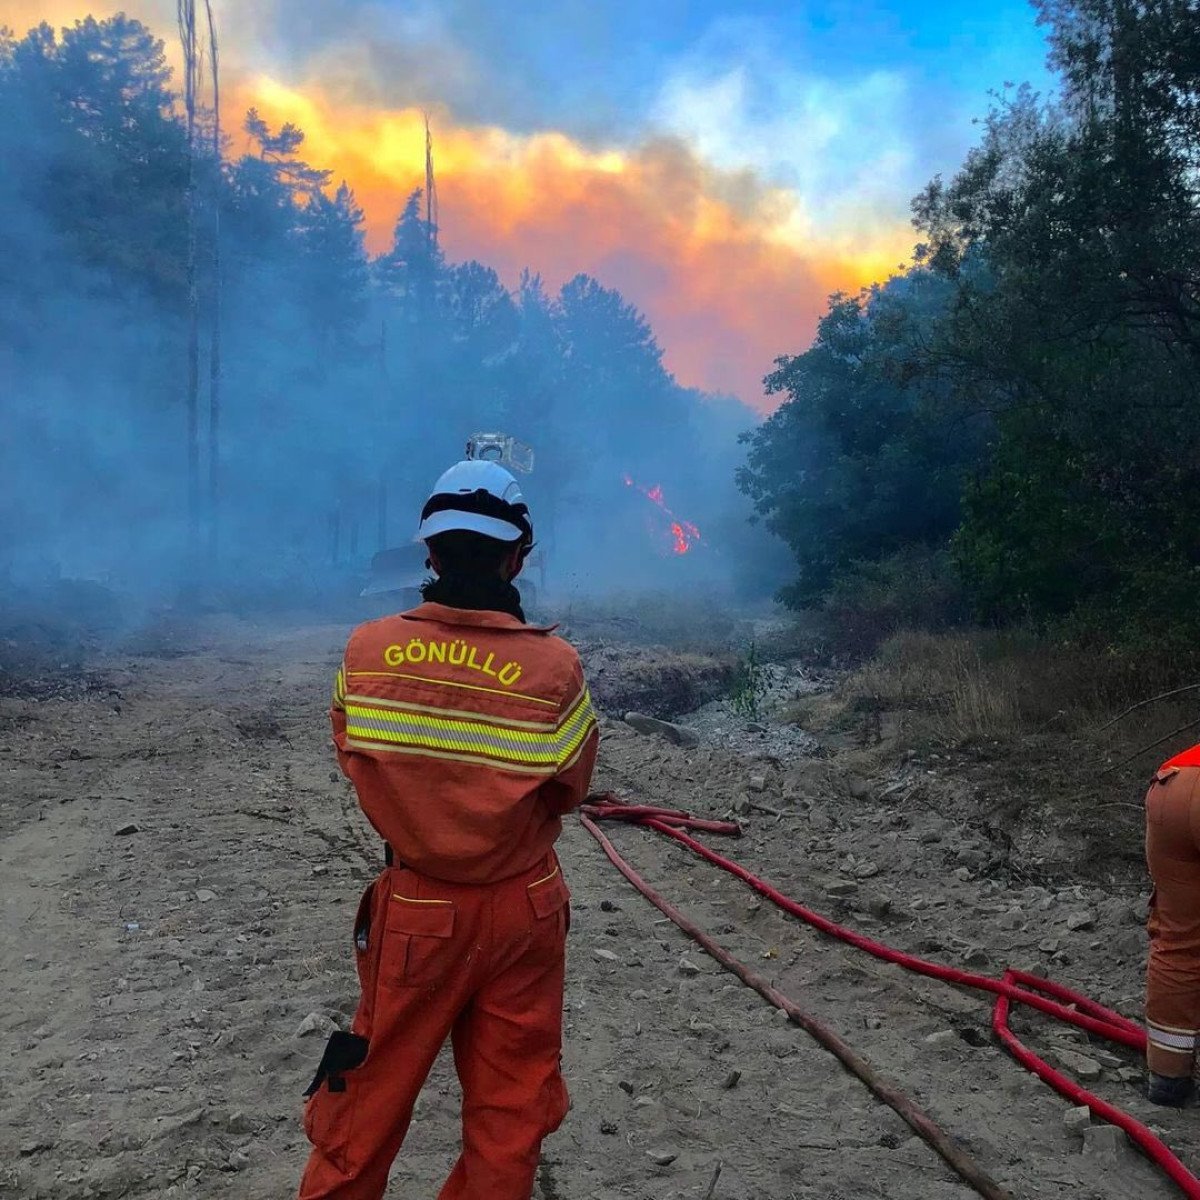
{"points": [[1019, 987]]}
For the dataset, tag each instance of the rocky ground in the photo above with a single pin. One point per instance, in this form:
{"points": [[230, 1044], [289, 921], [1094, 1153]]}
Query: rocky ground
{"points": [[180, 867]]}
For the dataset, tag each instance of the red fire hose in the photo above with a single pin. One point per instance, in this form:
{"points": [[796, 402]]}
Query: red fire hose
{"points": [[1062, 1003]]}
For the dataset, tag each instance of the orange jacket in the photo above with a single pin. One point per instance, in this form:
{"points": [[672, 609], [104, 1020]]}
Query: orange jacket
{"points": [[467, 735]]}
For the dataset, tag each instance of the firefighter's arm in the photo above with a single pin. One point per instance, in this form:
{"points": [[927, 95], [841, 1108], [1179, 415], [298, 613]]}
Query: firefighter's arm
{"points": [[579, 742], [337, 717]]}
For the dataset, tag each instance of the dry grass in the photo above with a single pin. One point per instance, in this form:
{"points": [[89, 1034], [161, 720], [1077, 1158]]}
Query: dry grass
{"points": [[959, 689]]}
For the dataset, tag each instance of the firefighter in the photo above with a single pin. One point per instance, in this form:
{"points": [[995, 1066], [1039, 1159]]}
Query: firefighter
{"points": [[1173, 978], [467, 734]]}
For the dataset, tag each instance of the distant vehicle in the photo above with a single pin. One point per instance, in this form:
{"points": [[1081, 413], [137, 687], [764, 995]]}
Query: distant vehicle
{"points": [[398, 572]]}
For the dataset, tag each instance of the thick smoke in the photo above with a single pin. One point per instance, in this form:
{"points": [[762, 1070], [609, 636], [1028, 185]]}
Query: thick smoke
{"points": [[347, 383]]}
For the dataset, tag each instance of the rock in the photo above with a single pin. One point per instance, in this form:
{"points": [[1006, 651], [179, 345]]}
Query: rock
{"points": [[873, 1022], [731, 1080], [28, 1149], [1077, 1120], [676, 734], [930, 837], [238, 1160], [1049, 945], [943, 1037], [858, 787], [963, 875], [843, 887], [204, 895], [605, 955], [866, 870], [662, 1158], [239, 1123], [126, 830], [976, 956], [757, 783], [608, 1127], [879, 906], [687, 967], [609, 906], [625, 1086], [1106, 1142], [1078, 1064], [320, 869], [1129, 943], [316, 1022], [1081, 920]]}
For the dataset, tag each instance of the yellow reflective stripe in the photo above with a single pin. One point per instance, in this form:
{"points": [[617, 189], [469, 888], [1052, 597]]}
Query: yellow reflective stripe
{"points": [[576, 728], [465, 736], [414, 900], [437, 731], [544, 878], [470, 687], [488, 718], [497, 764], [339, 687]]}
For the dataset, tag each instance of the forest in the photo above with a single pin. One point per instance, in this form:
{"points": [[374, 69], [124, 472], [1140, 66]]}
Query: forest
{"points": [[1004, 433], [1007, 432], [208, 377]]}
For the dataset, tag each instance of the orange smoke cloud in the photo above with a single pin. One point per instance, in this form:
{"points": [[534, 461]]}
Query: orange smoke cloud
{"points": [[729, 272], [715, 263]]}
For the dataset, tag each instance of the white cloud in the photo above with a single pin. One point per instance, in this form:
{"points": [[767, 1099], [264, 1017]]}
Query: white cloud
{"points": [[840, 146]]}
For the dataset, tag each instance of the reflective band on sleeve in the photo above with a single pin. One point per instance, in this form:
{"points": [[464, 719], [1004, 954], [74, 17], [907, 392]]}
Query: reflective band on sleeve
{"points": [[1178, 1040], [339, 688], [471, 738]]}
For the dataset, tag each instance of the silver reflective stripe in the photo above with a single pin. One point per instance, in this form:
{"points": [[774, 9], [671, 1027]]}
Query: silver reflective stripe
{"points": [[1170, 1040]]}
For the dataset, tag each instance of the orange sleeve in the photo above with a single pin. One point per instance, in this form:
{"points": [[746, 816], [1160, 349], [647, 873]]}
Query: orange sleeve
{"points": [[579, 743], [337, 717]]}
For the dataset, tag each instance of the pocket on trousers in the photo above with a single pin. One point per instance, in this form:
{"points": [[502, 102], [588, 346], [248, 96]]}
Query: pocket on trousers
{"points": [[418, 948], [550, 899]]}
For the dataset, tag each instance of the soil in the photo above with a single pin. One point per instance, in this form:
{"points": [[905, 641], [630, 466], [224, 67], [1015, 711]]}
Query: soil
{"points": [[181, 863]]}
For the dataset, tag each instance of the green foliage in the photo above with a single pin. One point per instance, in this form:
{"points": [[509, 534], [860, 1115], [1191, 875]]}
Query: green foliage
{"points": [[1024, 400], [341, 371], [749, 685]]}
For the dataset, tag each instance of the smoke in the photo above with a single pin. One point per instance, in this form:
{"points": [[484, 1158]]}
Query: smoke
{"points": [[347, 384]]}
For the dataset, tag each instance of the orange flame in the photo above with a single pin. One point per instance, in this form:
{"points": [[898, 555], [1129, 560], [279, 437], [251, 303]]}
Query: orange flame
{"points": [[684, 535]]}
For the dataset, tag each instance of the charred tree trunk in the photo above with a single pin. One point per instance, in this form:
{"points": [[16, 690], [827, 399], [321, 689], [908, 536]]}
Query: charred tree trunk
{"points": [[214, 359], [186, 12]]}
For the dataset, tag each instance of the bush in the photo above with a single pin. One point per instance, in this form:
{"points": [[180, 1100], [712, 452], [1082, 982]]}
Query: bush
{"points": [[915, 589]]}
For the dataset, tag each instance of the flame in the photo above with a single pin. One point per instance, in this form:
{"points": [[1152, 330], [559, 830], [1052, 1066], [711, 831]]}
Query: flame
{"points": [[684, 535]]}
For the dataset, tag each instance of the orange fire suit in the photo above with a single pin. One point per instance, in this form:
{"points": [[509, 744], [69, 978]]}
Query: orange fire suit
{"points": [[467, 736], [1173, 857]]}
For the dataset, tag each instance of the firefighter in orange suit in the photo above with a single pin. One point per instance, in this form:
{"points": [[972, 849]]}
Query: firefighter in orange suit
{"points": [[1173, 979], [467, 734]]}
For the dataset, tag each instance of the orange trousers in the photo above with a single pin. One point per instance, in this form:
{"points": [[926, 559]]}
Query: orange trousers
{"points": [[482, 965], [1173, 978]]}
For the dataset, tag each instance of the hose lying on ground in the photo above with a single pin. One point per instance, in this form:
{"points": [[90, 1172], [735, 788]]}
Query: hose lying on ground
{"points": [[1053, 999]]}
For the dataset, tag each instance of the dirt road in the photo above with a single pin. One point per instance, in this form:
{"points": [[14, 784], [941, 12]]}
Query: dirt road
{"points": [[181, 863]]}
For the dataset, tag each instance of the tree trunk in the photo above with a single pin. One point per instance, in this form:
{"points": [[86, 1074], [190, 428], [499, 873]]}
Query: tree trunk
{"points": [[214, 360], [186, 12]]}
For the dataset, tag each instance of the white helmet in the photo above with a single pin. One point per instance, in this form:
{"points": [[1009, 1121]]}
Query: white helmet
{"points": [[480, 497]]}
